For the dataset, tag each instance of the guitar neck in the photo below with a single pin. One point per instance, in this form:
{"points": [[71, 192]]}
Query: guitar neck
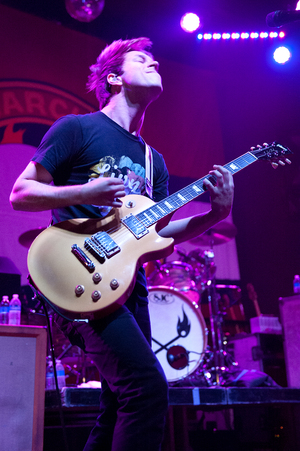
{"points": [[182, 197]]}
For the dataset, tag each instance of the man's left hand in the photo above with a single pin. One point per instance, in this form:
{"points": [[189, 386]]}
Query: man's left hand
{"points": [[222, 192]]}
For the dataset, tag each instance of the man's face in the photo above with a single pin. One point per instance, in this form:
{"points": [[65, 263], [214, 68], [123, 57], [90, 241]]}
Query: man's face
{"points": [[140, 70]]}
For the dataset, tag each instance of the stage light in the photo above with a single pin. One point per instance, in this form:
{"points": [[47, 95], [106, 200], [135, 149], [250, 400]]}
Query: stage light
{"points": [[282, 55], [84, 10], [298, 6], [237, 35], [190, 22]]}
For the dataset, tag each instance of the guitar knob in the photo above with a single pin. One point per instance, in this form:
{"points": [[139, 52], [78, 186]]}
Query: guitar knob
{"points": [[114, 284], [79, 290], [97, 277], [130, 204], [96, 295]]}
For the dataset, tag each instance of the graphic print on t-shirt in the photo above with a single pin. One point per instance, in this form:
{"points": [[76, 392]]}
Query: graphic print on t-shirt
{"points": [[132, 174]]}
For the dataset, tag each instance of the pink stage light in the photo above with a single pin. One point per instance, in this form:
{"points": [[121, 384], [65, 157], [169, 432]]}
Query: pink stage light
{"points": [[190, 22], [243, 35]]}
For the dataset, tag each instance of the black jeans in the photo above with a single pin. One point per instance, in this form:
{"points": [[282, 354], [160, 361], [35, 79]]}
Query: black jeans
{"points": [[134, 395]]}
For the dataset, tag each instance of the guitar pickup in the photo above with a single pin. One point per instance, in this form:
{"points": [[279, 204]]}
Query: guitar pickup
{"points": [[102, 246], [135, 226], [82, 257], [94, 249]]}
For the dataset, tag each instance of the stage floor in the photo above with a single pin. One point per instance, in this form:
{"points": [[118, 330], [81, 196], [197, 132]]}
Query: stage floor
{"points": [[188, 396], [199, 419]]}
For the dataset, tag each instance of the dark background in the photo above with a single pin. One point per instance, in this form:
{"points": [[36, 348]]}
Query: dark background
{"points": [[258, 101]]}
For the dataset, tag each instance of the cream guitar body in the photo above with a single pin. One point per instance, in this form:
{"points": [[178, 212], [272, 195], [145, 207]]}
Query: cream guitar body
{"points": [[79, 291]]}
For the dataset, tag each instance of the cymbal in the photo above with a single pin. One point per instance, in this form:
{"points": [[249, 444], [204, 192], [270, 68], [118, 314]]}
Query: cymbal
{"points": [[220, 233], [26, 238]]}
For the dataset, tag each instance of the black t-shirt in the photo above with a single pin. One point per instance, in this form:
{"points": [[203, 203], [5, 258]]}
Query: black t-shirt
{"points": [[80, 148]]}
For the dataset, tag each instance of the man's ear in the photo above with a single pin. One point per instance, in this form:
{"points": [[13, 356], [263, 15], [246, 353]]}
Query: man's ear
{"points": [[114, 80]]}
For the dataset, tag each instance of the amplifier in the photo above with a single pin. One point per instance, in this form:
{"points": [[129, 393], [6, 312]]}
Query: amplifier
{"points": [[260, 352], [290, 320]]}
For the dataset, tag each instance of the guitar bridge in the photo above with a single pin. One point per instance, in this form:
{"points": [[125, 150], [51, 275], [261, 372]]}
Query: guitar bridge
{"points": [[83, 258]]}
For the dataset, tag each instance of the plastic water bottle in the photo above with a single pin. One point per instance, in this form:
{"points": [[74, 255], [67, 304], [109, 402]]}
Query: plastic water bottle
{"points": [[50, 381], [14, 315], [61, 377], [4, 310], [296, 284], [60, 372]]}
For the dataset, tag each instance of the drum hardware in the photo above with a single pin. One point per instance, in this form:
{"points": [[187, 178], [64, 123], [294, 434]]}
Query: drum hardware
{"points": [[221, 233], [217, 361], [217, 364]]}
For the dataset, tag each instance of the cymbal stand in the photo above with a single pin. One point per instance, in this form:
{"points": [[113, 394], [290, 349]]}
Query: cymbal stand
{"points": [[215, 365]]}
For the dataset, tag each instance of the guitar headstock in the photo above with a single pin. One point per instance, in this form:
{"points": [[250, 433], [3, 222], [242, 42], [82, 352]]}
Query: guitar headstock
{"points": [[274, 152]]}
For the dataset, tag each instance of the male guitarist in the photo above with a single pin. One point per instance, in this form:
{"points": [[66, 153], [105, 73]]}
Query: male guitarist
{"points": [[83, 167]]}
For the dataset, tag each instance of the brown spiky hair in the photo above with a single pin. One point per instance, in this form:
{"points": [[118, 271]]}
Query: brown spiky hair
{"points": [[110, 61]]}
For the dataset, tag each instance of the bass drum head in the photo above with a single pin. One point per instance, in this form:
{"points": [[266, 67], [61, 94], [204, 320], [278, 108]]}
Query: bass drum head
{"points": [[178, 332]]}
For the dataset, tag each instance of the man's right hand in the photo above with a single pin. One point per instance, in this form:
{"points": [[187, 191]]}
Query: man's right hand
{"points": [[103, 191]]}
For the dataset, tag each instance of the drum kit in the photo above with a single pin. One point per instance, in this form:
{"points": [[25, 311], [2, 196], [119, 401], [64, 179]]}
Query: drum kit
{"points": [[191, 350]]}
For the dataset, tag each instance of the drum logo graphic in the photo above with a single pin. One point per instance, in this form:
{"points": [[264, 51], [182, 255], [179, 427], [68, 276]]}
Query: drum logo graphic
{"points": [[163, 298]]}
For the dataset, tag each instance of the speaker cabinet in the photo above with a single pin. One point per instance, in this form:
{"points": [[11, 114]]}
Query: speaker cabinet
{"points": [[290, 320], [260, 352], [22, 387]]}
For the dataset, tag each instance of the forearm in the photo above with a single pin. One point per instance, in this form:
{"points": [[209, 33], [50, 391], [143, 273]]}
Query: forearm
{"points": [[30, 195], [188, 228]]}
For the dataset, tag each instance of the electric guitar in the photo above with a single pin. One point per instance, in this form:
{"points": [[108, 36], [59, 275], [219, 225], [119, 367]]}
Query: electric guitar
{"points": [[86, 268]]}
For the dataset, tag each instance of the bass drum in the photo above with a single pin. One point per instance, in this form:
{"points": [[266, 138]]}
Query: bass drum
{"points": [[179, 334]]}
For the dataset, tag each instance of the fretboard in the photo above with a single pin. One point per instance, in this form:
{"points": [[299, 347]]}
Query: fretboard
{"points": [[182, 197]]}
